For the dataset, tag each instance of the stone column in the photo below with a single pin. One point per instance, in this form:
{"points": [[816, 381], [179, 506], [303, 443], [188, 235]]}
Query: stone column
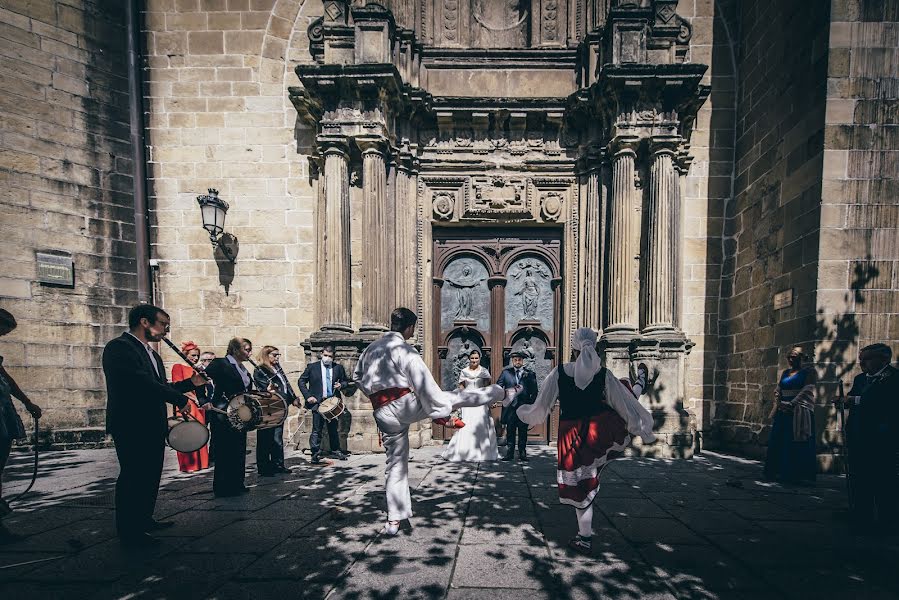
{"points": [[662, 238], [333, 237], [406, 233], [378, 263], [497, 286], [591, 244], [622, 246]]}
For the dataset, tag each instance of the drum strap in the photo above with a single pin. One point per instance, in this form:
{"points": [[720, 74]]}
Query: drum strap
{"points": [[385, 397]]}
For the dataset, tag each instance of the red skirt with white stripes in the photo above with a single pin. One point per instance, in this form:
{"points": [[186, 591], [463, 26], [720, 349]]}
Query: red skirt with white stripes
{"points": [[585, 447]]}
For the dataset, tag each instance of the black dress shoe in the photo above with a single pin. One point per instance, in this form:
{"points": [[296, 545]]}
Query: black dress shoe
{"points": [[522, 457], [266, 473], [338, 455], [158, 525], [138, 540], [509, 456], [316, 459], [283, 470]]}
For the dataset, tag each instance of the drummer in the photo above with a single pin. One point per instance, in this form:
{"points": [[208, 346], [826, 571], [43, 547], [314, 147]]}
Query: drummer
{"points": [[322, 379], [231, 378]]}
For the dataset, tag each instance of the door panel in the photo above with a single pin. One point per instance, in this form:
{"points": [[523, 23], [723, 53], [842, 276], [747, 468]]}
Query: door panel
{"points": [[497, 291]]}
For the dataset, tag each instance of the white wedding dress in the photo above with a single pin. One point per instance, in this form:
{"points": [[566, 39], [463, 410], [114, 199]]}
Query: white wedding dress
{"points": [[477, 440]]}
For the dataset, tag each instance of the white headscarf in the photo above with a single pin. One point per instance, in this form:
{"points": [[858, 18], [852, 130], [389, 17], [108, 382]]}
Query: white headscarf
{"points": [[588, 363]]}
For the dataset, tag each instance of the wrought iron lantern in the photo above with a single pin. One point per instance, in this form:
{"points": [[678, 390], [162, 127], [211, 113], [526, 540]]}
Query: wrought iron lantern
{"points": [[213, 210]]}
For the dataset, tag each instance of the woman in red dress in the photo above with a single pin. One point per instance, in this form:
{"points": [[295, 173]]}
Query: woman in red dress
{"points": [[599, 415], [188, 462]]}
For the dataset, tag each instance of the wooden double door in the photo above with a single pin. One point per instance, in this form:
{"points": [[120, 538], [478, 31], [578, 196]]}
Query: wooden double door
{"points": [[497, 291]]}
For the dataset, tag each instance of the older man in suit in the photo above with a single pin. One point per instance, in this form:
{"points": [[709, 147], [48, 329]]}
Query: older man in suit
{"points": [[872, 431], [322, 379], [230, 377], [523, 381], [137, 391]]}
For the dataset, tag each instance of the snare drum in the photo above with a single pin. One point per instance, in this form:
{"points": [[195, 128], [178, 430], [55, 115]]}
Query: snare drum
{"points": [[331, 408], [256, 410], [186, 435]]}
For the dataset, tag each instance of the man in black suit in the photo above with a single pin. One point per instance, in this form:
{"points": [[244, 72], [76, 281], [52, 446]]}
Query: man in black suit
{"points": [[516, 375], [871, 432], [230, 377], [137, 391], [322, 379]]}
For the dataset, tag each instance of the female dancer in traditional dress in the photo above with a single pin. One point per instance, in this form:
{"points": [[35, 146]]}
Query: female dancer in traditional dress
{"points": [[599, 415], [791, 445], [189, 462], [477, 440]]}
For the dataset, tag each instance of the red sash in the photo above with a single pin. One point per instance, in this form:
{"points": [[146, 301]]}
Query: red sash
{"points": [[384, 397]]}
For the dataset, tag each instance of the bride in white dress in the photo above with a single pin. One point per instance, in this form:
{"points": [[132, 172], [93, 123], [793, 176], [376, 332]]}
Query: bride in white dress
{"points": [[477, 440]]}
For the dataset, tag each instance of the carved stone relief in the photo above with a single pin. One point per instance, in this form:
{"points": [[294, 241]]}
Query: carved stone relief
{"points": [[444, 205], [444, 195], [464, 297], [551, 204], [552, 195], [536, 357], [529, 295], [498, 197]]}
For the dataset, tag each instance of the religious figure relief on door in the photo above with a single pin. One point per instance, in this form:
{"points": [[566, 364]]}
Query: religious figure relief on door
{"points": [[529, 297], [464, 297]]}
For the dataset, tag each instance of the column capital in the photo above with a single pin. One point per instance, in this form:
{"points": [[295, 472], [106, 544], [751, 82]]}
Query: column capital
{"points": [[624, 145], [333, 145], [496, 280], [665, 144], [372, 145]]}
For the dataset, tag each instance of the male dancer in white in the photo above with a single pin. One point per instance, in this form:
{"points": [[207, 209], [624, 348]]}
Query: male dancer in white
{"points": [[402, 391]]}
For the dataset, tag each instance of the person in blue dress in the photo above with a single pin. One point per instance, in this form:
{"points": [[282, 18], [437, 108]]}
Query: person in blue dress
{"points": [[791, 444]]}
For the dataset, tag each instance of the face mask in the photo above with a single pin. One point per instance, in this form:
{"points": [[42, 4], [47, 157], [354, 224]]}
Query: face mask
{"points": [[327, 360]]}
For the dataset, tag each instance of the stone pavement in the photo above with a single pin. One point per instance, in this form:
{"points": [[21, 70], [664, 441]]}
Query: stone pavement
{"points": [[706, 528]]}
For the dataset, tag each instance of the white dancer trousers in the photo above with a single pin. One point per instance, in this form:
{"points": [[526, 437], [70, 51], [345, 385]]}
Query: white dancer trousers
{"points": [[393, 420]]}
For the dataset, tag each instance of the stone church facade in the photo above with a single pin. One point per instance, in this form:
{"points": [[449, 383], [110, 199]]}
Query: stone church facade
{"points": [[705, 183]]}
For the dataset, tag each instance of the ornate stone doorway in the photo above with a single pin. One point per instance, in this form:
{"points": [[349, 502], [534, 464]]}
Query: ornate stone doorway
{"points": [[496, 291]]}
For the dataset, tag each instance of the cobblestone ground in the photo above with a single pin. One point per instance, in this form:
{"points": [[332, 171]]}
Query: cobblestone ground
{"points": [[706, 528]]}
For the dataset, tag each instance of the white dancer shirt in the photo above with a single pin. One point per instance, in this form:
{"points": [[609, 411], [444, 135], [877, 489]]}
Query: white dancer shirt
{"points": [[390, 362], [477, 440]]}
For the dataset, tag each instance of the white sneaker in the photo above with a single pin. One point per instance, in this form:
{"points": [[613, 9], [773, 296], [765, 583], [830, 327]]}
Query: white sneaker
{"points": [[392, 527]]}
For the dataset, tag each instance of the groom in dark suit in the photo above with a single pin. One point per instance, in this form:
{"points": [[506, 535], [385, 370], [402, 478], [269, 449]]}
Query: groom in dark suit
{"points": [[322, 379], [137, 391], [516, 375]]}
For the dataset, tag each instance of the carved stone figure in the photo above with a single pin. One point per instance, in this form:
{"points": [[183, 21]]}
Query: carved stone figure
{"points": [[530, 359], [464, 286], [530, 295], [501, 23]]}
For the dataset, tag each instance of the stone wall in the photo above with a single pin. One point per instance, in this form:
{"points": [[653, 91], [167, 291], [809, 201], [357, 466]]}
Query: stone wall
{"points": [[65, 185], [219, 117], [707, 189], [858, 278], [772, 222]]}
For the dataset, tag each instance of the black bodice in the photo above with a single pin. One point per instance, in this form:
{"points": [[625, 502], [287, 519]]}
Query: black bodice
{"points": [[575, 403]]}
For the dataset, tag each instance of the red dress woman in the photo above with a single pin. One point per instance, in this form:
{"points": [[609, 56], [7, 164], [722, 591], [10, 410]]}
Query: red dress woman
{"points": [[188, 462]]}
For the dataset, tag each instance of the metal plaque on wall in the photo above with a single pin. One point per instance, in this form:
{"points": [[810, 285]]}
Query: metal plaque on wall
{"points": [[55, 269]]}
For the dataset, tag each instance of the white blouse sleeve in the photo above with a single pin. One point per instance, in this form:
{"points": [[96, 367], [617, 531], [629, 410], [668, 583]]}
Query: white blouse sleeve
{"points": [[536, 413], [635, 415]]}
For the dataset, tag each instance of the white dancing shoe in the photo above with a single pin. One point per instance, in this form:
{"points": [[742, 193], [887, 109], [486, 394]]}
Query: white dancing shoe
{"points": [[391, 527]]}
